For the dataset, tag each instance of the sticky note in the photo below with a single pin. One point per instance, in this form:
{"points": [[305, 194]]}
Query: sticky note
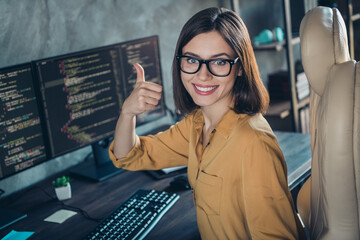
{"points": [[15, 235], [60, 216]]}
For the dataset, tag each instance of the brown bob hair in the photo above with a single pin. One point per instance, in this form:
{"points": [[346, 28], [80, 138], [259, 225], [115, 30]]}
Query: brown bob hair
{"points": [[249, 92]]}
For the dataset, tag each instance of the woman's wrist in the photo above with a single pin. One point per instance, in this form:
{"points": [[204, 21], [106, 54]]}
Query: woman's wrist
{"points": [[127, 116]]}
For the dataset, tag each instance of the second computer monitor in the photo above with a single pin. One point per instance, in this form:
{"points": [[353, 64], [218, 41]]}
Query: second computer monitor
{"points": [[82, 93], [145, 52]]}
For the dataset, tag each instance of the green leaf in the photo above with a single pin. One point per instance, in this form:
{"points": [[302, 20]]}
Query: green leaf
{"points": [[61, 181]]}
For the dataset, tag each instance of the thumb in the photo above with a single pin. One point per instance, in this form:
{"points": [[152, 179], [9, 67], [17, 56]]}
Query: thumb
{"points": [[140, 73]]}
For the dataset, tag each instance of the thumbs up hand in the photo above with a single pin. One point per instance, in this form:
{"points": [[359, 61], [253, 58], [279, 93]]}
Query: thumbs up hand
{"points": [[144, 97]]}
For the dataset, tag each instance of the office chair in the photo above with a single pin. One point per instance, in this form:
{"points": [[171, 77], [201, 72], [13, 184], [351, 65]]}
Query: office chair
{"points": [[329, 202]]}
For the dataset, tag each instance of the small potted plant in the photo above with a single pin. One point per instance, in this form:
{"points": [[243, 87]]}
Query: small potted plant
{"points": [[62, 188]]}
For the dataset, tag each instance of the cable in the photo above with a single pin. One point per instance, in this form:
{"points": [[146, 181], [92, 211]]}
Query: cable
{"points": [[69, 207], [1, 192], [81, 211], [77, 209]]}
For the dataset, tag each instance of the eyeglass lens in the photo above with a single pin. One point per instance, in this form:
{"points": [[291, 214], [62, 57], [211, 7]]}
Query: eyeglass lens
{"points": [[218, 67]]}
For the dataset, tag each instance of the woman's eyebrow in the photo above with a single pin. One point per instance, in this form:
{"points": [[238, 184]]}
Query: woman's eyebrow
{"points": [[191, 54], [213, 56], [221, 54]]}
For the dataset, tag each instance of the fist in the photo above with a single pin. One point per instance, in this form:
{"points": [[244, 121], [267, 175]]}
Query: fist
{"points": [[144, 97]]}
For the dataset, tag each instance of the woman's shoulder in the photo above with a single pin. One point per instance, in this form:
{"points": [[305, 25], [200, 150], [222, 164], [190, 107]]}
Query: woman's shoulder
{"points": [[260, 143], [260, 126], [255, 129]]}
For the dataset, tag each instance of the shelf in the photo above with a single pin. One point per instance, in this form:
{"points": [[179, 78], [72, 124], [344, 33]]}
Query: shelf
{"points": [[355, 17], [279, 109], [276, 46], [279, 116], [304, 102], [295, 40]]}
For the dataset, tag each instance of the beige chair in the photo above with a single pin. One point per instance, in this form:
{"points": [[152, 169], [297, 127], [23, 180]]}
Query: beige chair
{"points": [[330, 203]]}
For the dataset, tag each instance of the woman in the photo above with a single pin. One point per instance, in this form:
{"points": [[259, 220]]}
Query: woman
{"points": [[235, 166]]}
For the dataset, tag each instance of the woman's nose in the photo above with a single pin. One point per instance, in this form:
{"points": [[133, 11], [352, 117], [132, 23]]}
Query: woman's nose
{"points": [[203, 73]]}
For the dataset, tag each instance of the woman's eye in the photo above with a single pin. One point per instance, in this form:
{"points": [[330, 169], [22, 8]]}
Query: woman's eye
{"points": [[219, 62], [192, 60]]}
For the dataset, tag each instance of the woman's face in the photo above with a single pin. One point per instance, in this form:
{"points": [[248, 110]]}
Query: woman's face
{"points": [[206, 89]]}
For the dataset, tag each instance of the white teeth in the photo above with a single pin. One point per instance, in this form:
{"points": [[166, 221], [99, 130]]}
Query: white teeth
{"points": [[205, 89]]}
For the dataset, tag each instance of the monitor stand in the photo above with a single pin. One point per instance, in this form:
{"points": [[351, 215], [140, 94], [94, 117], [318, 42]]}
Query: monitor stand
{"points": [[100, 167], [8, 217]]}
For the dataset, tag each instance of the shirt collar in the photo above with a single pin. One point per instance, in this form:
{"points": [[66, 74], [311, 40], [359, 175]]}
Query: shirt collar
{"points": [[224, 126]]}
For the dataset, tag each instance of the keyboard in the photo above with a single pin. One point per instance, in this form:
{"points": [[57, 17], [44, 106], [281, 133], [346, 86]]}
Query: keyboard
{"points": [[135, 217]]}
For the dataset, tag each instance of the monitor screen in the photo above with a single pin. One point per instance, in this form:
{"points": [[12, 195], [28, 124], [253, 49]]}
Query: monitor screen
{"points": [[22, 144], [145, 52], [82, 93]]}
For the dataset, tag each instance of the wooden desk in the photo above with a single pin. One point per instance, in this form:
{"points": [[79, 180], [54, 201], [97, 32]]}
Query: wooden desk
{"points": [[99, 199], [296, 148]]}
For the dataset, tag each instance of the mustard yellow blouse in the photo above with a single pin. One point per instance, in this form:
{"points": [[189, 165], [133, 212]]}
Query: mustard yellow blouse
{"points": [[239, 179]]}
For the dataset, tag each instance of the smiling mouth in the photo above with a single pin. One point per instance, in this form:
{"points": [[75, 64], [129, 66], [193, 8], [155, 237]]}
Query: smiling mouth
{"points": [[204, 90]]}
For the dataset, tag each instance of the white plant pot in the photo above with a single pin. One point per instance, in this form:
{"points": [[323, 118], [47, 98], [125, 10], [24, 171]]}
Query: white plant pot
{"points": [[63, 193]]}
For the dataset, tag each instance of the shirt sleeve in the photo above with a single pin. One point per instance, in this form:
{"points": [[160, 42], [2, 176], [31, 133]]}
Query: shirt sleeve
{"points": [[269, 207], [165, 149]]}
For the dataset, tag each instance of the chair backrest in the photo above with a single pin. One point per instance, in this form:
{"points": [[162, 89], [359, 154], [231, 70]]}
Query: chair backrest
{"points": [[334, 124]]}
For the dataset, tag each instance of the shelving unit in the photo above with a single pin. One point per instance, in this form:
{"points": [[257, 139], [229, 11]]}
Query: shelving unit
{"points": [[294, 105], [351, 18]]}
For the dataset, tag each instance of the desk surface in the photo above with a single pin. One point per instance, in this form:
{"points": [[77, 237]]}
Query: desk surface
{"points": [[98, 200], [296, 148], [101, 198]]}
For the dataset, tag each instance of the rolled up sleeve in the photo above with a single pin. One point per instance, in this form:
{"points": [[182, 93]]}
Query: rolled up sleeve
{"points": [[165, 149]]}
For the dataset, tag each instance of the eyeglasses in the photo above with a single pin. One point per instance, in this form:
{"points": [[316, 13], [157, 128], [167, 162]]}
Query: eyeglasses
{"points": [[217, 67]]}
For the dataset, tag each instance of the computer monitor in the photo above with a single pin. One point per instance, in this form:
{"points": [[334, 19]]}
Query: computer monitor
{"points": [[82, 94], [145, 52], [22, 143]]}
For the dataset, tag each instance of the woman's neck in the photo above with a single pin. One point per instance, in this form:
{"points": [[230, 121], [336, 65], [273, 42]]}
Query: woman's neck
{"points": [[214, 112], [212, 116], [211, 119]]}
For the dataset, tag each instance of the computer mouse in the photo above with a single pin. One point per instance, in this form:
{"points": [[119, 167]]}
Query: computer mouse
{"points": [[180, 182]]}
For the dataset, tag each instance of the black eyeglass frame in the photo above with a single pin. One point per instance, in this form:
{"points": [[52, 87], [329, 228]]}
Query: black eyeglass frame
{"points": [[232, 62]]}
